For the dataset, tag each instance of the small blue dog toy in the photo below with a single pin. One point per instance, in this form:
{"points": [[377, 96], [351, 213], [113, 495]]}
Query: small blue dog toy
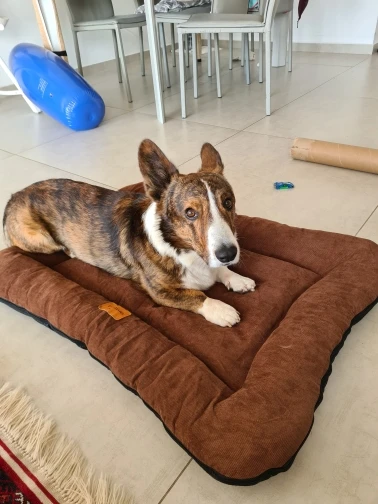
{"points": [[283, 185]]}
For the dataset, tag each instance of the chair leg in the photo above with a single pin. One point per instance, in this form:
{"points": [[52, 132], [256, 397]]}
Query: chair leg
{"points": [[163, 82], [125, 76], [141, 48], [77, 52], [116, 52], [247, 61], [209, 56], [199, 47], [18, 90], [165, 56], [268, 52], [217, 64], [195, 66], [186, 50], [182, 74], [173, 45], [291, 41], [230, 50], [252, 42], [261, 57], [242, 57]]}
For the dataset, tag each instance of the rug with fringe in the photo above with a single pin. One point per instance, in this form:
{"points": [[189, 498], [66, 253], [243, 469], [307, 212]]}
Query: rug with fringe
{"points": [[40, 465], [17, 484]]}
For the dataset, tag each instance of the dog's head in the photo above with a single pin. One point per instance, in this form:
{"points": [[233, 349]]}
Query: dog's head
{"points": [[194, 212]]}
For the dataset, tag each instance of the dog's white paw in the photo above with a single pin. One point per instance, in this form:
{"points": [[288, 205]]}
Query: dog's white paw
{"points": [[238, 283], [219, 313]]}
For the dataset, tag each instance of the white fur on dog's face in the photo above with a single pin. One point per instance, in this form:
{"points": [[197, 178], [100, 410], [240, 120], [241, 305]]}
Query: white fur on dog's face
{"points": [[190, 213], [183, 239], [219, 233]]}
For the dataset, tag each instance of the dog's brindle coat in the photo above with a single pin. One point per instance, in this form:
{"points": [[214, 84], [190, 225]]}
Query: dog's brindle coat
{"points": [[175, 241]]}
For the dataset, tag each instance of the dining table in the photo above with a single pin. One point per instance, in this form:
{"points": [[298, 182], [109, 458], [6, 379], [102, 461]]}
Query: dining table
{"points": [[155, 59]]}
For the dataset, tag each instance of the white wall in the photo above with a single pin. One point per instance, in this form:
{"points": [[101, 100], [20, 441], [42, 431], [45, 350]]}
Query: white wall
{"points": [[95, 47], [337, 22], [323, 22]]}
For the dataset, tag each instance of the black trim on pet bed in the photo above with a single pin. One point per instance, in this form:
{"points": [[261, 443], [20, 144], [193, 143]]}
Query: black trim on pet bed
{"points": [[223, 479]]}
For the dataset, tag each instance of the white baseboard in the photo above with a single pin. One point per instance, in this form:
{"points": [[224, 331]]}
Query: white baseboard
{"points": [[334, 48], [315, 47], [297, 46]]}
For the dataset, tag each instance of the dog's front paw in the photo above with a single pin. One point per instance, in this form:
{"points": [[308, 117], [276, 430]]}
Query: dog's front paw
{"points": [[219, 313], [238, 283]]}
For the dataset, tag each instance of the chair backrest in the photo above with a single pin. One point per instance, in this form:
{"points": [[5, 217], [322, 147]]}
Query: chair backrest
{"points": [[270, 10], [90, 10], [262, 7], [138, 3], [229, 6], [285, 6]]}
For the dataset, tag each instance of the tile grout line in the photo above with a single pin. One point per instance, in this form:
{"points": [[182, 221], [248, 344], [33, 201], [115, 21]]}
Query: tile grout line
{"points": [[216, 144], [174, 483], [65, 171], [348, 67], [266, 134], [7, 152], [305, 94], [376, 208], [20, 155], [136, 110], [67, 134], [186, 120], [175, 93]]}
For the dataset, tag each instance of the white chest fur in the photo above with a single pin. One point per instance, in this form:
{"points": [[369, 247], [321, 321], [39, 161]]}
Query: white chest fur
{"points": [[197, 274]]}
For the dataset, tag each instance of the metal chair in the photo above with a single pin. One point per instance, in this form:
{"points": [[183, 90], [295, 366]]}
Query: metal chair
{"points": [[4, 67], [90, 15], [175, 17], [234, 7], [229, 23]]}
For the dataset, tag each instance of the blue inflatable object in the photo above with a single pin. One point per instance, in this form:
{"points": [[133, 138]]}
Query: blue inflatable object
{"points": [[56, 88]]}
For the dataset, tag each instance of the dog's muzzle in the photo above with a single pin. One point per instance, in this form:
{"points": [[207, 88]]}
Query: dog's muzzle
{"points": [[226, 253]]}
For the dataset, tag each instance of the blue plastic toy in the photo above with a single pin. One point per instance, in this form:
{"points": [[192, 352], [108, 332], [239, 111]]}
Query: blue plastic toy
{"points": [[283, 185], [56, 88]]}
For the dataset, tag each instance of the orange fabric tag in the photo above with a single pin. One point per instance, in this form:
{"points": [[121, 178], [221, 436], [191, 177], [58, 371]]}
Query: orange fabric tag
{"points": [[115, 311]]}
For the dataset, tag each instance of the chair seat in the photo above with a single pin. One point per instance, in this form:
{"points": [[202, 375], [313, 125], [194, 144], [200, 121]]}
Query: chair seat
{"points": [[223, 21], [120, 20], [180, 16]]}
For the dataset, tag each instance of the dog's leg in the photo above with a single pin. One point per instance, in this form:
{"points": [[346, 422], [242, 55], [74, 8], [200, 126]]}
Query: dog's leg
{"points": [[235, 282], [219, 313], [213, 310]]}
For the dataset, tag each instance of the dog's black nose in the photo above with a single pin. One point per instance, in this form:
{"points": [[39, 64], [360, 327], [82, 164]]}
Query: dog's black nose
{"points": [[226, 253]]}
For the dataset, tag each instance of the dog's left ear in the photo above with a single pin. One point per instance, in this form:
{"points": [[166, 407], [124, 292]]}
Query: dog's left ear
{"points": [[211, 160], [156, 169]]}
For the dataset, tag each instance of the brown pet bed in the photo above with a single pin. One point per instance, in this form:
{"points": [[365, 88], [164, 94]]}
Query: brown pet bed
{"points": [[239, 400]]}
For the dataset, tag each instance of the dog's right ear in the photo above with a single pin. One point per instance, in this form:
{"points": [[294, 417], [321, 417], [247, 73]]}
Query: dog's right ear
{"points": [[156, 169]]}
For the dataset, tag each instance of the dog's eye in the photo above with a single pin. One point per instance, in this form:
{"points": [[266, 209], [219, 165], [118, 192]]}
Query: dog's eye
{"points": [[228, 204], [191, 213]]}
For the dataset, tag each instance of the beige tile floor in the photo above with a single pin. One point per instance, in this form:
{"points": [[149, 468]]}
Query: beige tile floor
{"points": [[328, 96]]}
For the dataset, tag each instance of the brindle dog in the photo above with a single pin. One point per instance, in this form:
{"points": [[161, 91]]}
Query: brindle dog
{"points": [[175, 241]]}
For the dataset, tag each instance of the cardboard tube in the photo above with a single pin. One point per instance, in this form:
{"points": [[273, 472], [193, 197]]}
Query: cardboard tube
{"points": [[333, 154]]}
